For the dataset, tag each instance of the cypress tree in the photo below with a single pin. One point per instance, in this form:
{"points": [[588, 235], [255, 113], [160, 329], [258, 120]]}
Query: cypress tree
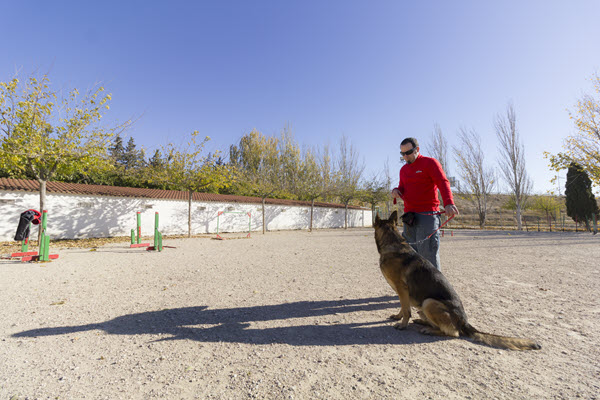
{"points": [[581, 203], [117, 150]]}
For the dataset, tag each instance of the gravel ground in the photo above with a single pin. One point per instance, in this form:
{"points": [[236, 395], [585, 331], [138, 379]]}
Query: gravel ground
{"points": [[297, 315]]}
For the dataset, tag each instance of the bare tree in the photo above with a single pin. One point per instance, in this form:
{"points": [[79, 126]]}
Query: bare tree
{"points": [[376, 188], [439, 148], [479, 180], [512, 160], [348, 173]]}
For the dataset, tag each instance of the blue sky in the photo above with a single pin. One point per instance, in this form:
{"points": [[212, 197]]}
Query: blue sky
{"points": [[375, 71]]}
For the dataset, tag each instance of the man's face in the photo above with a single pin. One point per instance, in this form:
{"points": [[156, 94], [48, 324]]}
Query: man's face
{"points": [[409, 158]]}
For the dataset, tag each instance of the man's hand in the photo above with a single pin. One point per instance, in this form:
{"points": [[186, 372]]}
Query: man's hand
{"points": [[396, 193], [451, 210]]}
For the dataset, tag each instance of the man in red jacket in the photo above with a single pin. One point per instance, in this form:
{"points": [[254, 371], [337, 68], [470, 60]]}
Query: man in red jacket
{"points": [[420, 179]]}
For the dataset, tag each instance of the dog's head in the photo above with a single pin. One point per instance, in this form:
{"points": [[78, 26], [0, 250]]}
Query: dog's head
{"points": [[384, 228], [391, 221]]}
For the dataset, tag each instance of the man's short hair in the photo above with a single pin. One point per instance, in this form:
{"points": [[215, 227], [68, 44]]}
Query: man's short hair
{"points": [[410, 140]]}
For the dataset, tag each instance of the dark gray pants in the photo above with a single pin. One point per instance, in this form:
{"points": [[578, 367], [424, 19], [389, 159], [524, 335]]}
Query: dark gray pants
{"points": [[425, 224]]}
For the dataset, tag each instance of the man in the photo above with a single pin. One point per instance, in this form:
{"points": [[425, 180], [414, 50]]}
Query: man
{"points": [[420, 179]]}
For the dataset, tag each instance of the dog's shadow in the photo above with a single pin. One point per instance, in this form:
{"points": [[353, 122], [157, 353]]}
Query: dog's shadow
{"points": [[260, 324]]}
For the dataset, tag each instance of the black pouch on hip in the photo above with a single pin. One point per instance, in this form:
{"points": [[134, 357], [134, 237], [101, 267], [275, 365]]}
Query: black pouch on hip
{"points": [[409, 218]]}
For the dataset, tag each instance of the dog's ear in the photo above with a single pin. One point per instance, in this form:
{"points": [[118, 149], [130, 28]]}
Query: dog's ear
{"points": [[394, 217], [377, 219]]}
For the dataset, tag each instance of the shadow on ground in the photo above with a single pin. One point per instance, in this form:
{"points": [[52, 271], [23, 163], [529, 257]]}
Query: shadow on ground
{"points": [[234, 324]]}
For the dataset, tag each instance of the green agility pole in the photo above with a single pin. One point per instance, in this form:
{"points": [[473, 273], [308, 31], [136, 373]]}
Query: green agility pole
{"points": [[158, 246], [25, 242], [44, 240], [136, 235], [44, 250]]}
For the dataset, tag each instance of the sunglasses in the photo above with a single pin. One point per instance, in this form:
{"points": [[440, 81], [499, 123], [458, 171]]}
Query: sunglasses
{"points": [[408, 153]]}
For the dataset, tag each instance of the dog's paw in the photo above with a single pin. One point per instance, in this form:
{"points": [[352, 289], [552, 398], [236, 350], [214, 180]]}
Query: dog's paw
{"points": [[400, 326], [396, 316], [431, 331], [421, 322]]}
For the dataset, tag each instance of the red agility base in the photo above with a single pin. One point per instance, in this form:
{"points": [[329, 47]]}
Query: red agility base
{"points": [[136, 234], [24, 254], [44, 249], [37, 258], [139, 245]]}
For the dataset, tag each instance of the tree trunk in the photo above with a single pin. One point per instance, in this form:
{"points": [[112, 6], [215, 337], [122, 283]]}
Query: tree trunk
{"points": [[263, 215], [42, 204], [372, 213], [588, 227], [190, 214], [519, 221], [312, 207], [346, 217]]}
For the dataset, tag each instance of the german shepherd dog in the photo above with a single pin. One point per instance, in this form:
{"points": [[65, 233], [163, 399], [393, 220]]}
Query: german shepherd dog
{"points": [[419, 284]]}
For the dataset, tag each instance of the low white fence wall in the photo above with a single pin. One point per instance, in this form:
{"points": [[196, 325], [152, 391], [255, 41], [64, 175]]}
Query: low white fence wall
{"points": [[78, 216]]}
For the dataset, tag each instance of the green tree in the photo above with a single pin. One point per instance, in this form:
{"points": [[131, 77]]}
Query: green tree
{"points": [[290, 165], [511, 204], [580, 201], [257, 165], [131, 156], [156, 160], [583, 147], [550, 205], [44, 135], [314, 178], [186, 168], [348, 175], [117, 150]]}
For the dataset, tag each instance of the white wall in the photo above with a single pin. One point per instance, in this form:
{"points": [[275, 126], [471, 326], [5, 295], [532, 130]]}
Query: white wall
{"points": [[76, 216]]}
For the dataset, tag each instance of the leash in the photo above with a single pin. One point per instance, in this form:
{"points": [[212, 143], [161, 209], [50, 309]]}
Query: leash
{"points": [[440, 227], [433, 233]]}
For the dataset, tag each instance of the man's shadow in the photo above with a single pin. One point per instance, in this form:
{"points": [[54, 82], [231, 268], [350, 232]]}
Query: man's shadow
{"points": [[234, 324]]}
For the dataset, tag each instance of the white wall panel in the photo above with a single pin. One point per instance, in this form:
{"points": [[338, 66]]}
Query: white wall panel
{"points": [[76, 216]]}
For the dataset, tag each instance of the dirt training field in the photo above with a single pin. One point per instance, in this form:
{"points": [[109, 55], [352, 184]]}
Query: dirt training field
{"points": [[297, 315]]}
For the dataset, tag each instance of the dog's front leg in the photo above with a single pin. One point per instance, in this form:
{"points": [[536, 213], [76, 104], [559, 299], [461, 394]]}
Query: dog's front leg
{"points": [[404, 310]]}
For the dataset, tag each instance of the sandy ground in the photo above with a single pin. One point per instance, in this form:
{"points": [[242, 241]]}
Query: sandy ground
{"points": [[297, 315]]}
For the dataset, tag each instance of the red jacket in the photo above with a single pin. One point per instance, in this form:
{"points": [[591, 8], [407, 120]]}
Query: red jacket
{"points": [[419, 183]]}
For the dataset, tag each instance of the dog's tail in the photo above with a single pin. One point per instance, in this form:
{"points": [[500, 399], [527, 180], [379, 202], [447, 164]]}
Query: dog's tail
{"points": [[502, 342]]}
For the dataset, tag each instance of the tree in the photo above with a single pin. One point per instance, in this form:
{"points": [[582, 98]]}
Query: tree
{"points": [[117, 150], [510, 204], [44, 135], [583, 147], [315, 178], [156, 160], [348, 174], [290, 164], [256, 160], [478, 178], [439, 148], [512, 160], [547, 204], [581, 203], [376, 189], [185, 168], [131, 156]]}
